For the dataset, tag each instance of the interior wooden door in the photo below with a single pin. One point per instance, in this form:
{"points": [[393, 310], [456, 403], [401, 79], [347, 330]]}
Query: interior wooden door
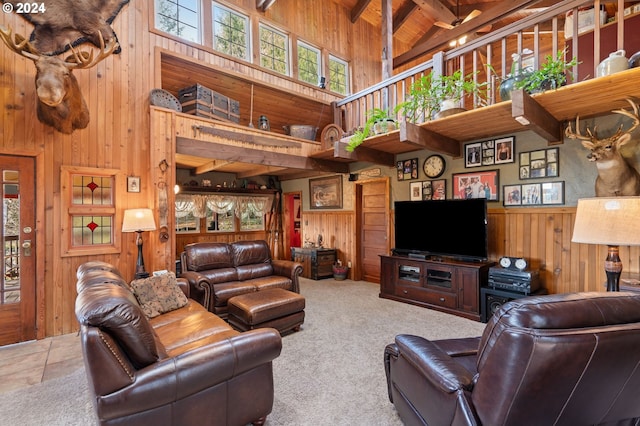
{"points": [[372, 205], [17, 283]]}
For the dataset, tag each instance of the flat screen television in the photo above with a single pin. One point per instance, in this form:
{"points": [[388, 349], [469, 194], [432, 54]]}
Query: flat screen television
{"points": [[450, 228]]}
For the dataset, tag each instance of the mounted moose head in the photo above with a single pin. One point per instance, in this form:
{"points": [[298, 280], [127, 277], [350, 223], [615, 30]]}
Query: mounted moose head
{"points": [[616, 177], [60, 102]]}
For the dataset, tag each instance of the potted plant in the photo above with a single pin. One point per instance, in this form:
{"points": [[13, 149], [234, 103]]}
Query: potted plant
{"points": [[430, 96], [551, 74], [379, 121]]}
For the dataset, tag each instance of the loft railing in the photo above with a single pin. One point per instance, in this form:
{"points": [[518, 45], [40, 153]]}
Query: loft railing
{"points": [[544, 33]]}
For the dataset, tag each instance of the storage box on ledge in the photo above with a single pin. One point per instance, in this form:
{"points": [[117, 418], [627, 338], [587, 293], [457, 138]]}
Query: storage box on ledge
{"points": [[204, 102]]}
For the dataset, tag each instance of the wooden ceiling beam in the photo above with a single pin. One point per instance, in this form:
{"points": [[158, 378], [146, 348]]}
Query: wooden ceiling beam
{"points": [[436, 10], [211, 166], [188, 146], [500, 11], [358, 9], [260, 171], [402, 14]]}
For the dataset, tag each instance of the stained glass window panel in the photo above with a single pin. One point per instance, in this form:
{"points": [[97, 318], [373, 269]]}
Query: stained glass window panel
{"points": [[91, 230]]}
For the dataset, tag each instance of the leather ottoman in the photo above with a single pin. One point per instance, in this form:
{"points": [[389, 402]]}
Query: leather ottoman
{"points": [[278, 308]]}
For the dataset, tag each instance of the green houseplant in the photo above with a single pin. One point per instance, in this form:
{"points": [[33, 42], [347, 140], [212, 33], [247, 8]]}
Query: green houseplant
{"points": [[378, 121], [550, 75], [430, 95]]}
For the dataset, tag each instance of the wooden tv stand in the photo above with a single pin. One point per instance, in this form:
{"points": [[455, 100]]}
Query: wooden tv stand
{"points": [[446, 285]]}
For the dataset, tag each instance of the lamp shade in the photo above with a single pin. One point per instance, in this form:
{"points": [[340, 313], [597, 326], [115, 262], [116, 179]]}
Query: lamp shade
{"points": [[136, 220], [608, 220]]}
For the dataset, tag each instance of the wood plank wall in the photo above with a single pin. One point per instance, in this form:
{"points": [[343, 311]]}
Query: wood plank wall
{"points": [[118, 136]]}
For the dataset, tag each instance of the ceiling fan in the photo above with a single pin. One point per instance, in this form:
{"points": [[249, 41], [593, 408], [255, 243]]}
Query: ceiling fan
{"points": [[458, 19]]}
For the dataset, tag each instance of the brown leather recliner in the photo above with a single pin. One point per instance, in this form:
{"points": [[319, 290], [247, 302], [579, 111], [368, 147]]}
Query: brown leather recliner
{"points": [[219, 271], [563, 359], [183, 367]]}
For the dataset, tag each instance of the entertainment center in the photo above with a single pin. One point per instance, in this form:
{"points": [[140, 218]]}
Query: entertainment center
{"points": [[444, 284], [440, 255]]}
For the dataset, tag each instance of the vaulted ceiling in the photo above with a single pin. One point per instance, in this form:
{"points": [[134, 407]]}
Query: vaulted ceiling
{"points": [[418, 25]]}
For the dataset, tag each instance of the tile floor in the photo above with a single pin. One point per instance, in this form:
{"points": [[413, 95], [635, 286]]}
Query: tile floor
{"points": [[28, 363]]}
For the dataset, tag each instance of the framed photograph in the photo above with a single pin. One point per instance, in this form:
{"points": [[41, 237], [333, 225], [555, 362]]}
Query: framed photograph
{"points": [[326, 192], [531, 194], [543, 163], [480, 184], [512, 195], [505, 150], [416, 191], [473, 154], [439, 189], [426, 190], [553, 193], [133, 183], [407, 169]]}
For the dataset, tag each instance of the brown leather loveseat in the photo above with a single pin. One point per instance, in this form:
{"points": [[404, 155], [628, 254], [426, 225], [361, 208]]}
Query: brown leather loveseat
{"points": [[563, 359], [219, 271], [183, 367]]}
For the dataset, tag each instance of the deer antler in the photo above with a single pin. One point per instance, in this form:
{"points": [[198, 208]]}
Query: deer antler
{"points": [[593, 135], [82, 60], [577, 135], [18, 44]]}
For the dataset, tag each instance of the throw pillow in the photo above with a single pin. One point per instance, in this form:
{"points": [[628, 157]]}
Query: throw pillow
{"points": [[158, 294]]}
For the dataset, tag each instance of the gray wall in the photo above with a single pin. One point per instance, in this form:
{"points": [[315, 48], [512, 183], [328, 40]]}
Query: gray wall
{"points": [[575, 170]]}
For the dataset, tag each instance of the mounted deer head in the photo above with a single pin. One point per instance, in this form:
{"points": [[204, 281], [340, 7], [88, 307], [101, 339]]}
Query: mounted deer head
{"points": [[616, 177], [60, 102]]}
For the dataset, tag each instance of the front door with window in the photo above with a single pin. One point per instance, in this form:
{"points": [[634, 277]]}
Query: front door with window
{"points": [[17, 230]]}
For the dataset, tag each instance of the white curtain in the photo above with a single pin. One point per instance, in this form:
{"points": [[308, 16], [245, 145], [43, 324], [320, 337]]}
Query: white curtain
{"points": [[197, 204]]}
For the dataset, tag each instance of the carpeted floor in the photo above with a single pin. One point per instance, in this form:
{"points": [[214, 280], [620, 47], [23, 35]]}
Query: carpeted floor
{"points": [[331, 372]]}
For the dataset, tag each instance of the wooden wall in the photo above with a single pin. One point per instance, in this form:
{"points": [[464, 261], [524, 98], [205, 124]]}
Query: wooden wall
{"points": [[117, 137]]}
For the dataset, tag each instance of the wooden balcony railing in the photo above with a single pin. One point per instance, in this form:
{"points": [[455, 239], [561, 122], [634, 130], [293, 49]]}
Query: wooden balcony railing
{"points": [[543, 33]]}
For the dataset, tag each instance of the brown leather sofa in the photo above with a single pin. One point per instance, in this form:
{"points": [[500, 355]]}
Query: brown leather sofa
{"points": [[183, 367], [219, 271], [564, 359]]}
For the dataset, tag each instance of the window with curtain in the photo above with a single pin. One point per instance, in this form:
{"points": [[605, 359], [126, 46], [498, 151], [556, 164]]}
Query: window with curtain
{"points": [[218, 213]]}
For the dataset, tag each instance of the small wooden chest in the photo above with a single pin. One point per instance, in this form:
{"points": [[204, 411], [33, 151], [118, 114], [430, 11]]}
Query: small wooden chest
{"points": [[204, 102]]}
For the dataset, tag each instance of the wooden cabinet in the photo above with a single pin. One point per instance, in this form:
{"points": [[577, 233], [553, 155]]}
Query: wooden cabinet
{"points": [[447, 285], [317, 263]]}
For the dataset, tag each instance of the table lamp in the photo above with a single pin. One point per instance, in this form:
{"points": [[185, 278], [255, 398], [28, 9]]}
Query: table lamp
{"points": [[139, 220], [611, 221]]}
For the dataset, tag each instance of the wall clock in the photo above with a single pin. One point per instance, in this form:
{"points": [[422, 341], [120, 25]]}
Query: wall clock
{"points": [[434, 166]]}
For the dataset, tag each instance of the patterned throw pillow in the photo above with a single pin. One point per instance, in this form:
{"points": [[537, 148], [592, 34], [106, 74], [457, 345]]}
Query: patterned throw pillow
{"points": [[158, 294]]}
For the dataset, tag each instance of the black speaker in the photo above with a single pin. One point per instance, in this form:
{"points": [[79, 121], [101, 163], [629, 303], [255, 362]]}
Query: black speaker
{"points": [[492, 300], [353, 177]]}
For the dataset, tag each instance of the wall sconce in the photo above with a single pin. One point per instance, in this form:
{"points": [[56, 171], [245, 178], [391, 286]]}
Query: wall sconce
{"points": [[611, 221], [139, 220]]}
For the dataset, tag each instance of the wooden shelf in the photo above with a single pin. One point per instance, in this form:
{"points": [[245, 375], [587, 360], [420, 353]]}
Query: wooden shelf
{"points": [[598, 96], [213, 189]]}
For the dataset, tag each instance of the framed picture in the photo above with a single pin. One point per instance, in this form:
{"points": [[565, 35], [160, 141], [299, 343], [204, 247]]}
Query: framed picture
{"points": [[542, 163], [553, 193], [427, 190], [488, 153], [438, 189], [480, 184], [504, 150], [407, 169], [325, 193], [133, 183], [473, 154], [531, 194], [512, 195], [416, 191]]}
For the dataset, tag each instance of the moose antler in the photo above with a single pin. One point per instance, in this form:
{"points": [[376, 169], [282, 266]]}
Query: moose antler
{"points": [[593, 136], [82, 60], [18, 44]]}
